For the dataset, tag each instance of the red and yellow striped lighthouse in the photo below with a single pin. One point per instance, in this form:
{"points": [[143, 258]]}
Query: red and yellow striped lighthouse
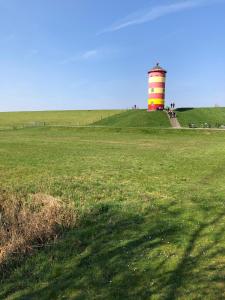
{"points": [[156, 88]]}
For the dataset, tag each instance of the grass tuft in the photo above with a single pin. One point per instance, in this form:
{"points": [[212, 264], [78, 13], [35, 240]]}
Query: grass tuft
{"points": [[25, 224]]}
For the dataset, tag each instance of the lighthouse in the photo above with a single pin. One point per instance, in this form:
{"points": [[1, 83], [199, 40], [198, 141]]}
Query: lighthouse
{"points": [[156, 88]]}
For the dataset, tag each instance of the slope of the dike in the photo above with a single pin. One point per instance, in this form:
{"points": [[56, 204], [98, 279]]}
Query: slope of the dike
{"points": [[213, 117], [136, 118]]}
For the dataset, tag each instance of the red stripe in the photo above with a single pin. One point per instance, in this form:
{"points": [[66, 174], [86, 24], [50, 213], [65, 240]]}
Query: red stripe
{"points": [[156, 96], [157, 85], [155, 106]]}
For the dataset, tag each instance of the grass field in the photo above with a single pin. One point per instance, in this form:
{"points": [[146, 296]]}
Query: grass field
{"points": [[137, 118], [70, 117], [151, 212], [213, 116]]}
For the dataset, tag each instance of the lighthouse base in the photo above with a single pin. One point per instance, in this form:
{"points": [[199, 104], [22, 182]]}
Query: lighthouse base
{"points": [[154, 107]]}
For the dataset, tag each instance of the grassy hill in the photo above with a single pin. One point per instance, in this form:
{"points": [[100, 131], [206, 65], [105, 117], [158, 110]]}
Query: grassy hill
{"points": [[114, 118], [199, 116], [150, 212], [70, 117], [136, 118]]}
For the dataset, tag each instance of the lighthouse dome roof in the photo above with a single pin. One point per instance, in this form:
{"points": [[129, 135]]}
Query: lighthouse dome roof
{"points": [[157, 68]]}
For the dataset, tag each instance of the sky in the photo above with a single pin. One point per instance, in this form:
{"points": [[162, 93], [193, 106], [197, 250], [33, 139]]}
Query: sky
{"points": [[95, 54]]}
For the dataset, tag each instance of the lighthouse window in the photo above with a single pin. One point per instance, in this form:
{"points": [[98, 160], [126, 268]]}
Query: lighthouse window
{"points": [[152, 90]]}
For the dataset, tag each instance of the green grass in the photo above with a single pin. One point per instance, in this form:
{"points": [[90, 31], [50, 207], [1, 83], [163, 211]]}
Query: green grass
{"points": [[70, 117], [199, 116], [136, 118], [151, 207]]}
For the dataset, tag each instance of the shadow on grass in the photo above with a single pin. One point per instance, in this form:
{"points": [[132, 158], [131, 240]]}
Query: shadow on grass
{"points": [[119, 254], [197, 263], [184, 109]]}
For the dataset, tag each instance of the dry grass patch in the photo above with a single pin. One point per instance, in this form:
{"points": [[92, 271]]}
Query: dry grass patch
{"points": [[32, 222]]}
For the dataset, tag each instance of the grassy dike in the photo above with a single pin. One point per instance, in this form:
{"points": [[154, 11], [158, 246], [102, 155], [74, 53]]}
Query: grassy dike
{"points": [[212, 116], [64, 117], [136, 118], [151, 212]]}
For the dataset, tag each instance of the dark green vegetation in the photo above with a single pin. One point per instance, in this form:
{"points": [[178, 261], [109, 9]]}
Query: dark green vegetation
{"points": [[151, 207], [136, 118], [215, 117]]}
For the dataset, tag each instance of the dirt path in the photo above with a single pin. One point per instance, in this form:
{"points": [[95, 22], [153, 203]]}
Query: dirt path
{"points": [[174, 122]]}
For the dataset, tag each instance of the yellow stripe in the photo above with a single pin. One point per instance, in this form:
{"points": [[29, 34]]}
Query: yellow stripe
{"points": [[156, 91], [157, 79], [156, 101]]}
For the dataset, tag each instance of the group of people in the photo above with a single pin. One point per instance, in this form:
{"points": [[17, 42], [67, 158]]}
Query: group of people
{"points": [[170, 110], [172, 114]]}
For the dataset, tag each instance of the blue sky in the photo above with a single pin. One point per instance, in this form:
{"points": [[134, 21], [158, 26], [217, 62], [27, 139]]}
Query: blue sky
{"points": [[95, 54]]}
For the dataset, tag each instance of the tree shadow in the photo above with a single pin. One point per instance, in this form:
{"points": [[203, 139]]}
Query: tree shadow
{"points": [[197, 261], [119, 254]]}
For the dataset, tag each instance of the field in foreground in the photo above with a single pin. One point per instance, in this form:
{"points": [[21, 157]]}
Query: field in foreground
{"points": [[151, 206]]}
